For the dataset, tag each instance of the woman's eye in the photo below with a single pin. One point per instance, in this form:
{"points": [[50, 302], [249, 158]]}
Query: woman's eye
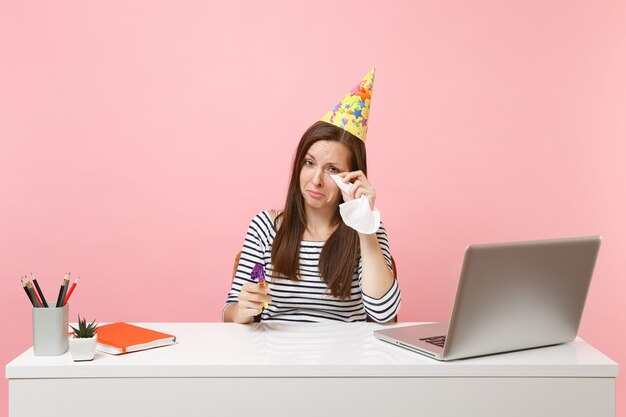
{"points": [[333, 169], [308, 162]]}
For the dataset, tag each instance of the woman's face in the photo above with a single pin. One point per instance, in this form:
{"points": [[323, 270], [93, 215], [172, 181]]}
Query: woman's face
{"points": [[323, 158]]}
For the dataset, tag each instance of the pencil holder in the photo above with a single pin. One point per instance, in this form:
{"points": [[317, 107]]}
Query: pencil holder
{"points": [[50, 335]]}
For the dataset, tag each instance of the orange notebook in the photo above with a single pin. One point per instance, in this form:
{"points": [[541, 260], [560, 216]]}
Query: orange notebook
{"points": [[117, 338]]}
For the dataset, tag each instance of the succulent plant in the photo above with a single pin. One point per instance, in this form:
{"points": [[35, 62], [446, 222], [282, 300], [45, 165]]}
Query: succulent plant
{"points": [[84, 330]]}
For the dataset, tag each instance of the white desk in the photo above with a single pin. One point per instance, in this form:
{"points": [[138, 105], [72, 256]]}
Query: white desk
{"points": [[309, 370]]}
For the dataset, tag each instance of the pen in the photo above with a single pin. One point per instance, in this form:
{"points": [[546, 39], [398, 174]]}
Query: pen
{"points": [[62, 291], [43, 299], [258, 273], [27, 293], [71, 290]]}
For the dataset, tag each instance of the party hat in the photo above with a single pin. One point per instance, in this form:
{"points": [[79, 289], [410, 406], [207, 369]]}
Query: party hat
{"points": [[352, 112]]}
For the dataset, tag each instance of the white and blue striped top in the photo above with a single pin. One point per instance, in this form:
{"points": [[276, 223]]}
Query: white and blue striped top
{"points": [[309, 298]]}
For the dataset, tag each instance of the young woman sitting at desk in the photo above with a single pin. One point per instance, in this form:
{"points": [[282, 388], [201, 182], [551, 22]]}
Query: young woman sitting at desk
{"points": [[318, 268]]}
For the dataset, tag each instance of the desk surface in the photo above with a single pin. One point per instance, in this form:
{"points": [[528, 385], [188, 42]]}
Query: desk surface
{"points": [[305, 350]]}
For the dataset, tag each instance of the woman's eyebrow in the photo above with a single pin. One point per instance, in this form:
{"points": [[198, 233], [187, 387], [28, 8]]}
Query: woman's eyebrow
{"points": [[339, 164]]}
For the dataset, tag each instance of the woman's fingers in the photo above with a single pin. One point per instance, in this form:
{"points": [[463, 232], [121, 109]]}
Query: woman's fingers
{"points": [[252, 297], [349, 176], [250, 311], [362, 188]]}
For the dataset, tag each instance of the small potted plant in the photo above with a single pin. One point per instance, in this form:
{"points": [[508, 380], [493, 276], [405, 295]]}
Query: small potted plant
{"points": [[84, 340]]}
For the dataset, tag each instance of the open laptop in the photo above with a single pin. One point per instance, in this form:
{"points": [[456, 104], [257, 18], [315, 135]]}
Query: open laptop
{"points": [[510, 296]]}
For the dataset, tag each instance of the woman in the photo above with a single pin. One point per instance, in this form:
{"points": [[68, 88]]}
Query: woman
{"points": [[317, 267]]}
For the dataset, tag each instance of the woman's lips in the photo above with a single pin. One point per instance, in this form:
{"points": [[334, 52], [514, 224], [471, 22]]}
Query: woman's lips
{"points": [[315, 194]]}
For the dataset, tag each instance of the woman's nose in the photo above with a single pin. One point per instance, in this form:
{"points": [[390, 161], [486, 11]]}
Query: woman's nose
{"points": [[318, 176]]}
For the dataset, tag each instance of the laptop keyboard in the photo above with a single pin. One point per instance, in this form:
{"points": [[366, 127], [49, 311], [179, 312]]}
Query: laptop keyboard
{"points": [[435, 340]]}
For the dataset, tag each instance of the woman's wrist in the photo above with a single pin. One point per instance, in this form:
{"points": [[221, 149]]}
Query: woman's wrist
{"points": [[231, 314]]}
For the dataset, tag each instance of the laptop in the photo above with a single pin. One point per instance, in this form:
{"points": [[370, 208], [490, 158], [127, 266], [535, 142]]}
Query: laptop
{"points": [[510, 296]]}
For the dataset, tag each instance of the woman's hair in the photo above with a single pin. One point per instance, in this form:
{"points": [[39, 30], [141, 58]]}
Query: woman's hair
{"points": [[339, 254]]}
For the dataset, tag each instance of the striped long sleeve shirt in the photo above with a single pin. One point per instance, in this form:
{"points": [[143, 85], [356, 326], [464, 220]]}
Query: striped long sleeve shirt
{"points": [[308, 299]]}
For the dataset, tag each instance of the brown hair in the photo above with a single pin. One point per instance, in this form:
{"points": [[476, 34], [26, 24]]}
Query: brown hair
{"points": [[339, 254]]}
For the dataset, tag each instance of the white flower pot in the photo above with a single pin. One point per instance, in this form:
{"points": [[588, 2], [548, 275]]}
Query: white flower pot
{"points": [[83, 349]]}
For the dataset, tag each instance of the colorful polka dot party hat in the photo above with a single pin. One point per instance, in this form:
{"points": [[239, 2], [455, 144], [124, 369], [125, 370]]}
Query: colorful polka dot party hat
{"points": [[352, 112]]}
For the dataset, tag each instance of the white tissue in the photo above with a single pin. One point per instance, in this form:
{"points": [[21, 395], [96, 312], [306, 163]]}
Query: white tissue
{"points": [[358, 215], [343, 186]]}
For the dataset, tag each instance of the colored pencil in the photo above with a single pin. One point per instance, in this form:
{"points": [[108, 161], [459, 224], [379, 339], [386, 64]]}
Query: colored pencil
{"points": [[27, 293], [43, 299], [34, 293], [67, 297], [62, 291]]}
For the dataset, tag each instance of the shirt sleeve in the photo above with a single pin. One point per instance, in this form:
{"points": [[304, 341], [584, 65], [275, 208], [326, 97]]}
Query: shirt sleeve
{"points": [[386, 307], [252, 253]]}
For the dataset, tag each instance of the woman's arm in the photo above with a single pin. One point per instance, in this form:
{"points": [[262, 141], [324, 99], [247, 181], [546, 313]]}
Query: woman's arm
{"points": [[380, 306], [246, 297], [377, 278], [381, 293]]}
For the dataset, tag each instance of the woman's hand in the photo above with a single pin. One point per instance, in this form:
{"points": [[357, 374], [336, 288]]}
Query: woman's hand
{"points": [[251, 299], [360, 186]]}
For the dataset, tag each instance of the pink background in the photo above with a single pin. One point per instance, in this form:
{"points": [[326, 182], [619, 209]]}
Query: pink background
{"points": [[137, 139]]}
